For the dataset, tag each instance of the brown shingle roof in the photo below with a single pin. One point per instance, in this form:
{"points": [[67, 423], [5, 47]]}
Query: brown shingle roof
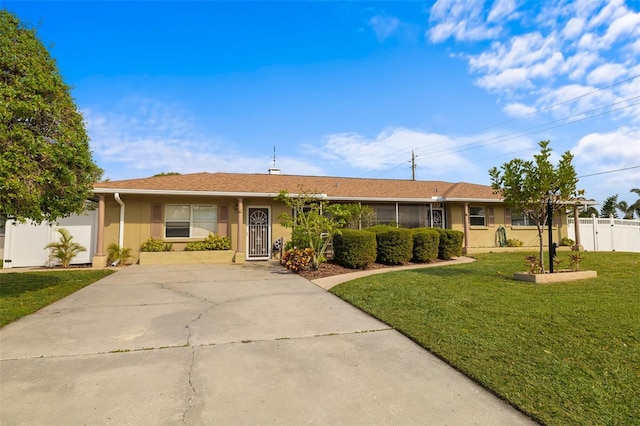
{"points": [[333, 187]]}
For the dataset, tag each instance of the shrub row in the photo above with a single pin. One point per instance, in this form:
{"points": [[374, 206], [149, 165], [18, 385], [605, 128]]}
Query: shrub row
{"points": [[212, 242], [384, 244]]}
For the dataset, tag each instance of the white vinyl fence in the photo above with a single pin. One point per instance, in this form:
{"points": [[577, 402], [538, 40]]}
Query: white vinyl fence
{"points": [[24, 242], [607, 234]]}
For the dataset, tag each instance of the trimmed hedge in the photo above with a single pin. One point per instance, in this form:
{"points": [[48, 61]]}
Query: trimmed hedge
{"points": [[425, 245], [354, 248], [450, 244], [395, 245], [212, 242]]}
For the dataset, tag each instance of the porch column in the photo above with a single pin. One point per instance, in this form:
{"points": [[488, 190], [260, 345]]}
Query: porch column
{"points": [[99, 259], [576, 227], [240, 252], [466, 228]]}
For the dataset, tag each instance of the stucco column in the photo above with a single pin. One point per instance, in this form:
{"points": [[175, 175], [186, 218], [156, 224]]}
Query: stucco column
{"points": [[99, 260], [240, 254], [466, 228], [576, 227]]}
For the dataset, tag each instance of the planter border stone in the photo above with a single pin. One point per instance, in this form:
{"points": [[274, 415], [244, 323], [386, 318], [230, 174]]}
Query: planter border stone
{"points": [[188, 257], [557, 277]]}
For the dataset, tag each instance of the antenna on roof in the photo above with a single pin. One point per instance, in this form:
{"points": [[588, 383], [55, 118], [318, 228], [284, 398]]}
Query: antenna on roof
{"points": [[274, 170]]}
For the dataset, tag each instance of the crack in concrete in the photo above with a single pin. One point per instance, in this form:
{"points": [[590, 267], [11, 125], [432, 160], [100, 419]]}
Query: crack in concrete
{"points": [[194, 392]]}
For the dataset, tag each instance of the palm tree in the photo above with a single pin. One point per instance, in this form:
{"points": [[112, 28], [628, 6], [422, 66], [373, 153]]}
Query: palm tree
{"points": [[587, 212], [636, 206], [626, 209], [609, 207], [65, 249]]}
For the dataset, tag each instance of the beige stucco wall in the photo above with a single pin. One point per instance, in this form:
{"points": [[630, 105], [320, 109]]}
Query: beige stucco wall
{"points": [[138, 219], [485, 236]]}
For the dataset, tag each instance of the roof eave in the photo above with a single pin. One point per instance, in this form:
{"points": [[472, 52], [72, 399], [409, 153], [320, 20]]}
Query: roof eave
{"points": [[183, 192]]}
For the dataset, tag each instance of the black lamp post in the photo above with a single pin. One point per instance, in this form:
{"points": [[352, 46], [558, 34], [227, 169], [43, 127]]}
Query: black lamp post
{"points": [[550, 226]]}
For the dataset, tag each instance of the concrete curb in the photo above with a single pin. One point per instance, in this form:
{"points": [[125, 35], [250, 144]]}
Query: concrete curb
{"points": [[328, 282]]}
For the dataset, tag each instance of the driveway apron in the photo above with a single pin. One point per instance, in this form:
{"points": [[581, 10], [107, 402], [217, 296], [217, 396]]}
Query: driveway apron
{"points": [[247, 344]]}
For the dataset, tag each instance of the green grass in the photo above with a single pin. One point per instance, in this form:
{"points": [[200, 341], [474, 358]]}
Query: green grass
{"points": [[23, 293], [566, 353]]}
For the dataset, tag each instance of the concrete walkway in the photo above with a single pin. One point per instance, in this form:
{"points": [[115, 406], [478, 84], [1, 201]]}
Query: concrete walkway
{"points": [[224, 345]]}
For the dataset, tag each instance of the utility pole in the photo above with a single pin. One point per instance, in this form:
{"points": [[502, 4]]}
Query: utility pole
{"points": [[413, 165]]}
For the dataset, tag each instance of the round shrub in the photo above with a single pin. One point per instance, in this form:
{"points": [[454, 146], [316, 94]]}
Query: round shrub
{"points": [[395, 245], [153, 245], [450, 244], [354, 248], [425, 245]]}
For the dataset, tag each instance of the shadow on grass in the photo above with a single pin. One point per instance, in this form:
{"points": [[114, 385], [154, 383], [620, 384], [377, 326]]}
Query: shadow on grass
{"points": [[16, 284]]}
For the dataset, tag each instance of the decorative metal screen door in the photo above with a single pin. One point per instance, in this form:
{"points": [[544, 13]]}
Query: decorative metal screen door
{"points": [[258, 231], [436, 217]]}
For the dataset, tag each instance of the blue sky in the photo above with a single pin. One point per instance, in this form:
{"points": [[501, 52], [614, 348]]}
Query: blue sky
{"points": [[351, 88]]}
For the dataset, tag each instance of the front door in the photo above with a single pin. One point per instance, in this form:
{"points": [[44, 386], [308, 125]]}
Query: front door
{"points": [[258, 233], [436, 216]]}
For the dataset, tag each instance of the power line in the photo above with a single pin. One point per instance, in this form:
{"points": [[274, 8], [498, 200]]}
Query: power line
{"points": [[609, 171], [519, 133], [475, 145]]}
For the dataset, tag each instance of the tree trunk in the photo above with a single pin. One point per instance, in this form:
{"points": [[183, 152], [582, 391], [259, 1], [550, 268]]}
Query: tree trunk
{"points": [[541, 251]]}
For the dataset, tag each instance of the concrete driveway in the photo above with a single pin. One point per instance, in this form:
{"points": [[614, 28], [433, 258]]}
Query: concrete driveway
{"points": [[227, 345]]}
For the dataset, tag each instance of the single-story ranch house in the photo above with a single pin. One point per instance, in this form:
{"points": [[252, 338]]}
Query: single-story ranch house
{"points": [[183, 208]]}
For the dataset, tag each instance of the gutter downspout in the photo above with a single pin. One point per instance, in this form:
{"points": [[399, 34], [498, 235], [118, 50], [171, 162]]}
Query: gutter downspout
{"points": [[121, 230]]}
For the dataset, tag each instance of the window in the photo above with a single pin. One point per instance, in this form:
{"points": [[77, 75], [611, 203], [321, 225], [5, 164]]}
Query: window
{"points": [[477, 216], [185, 221], [385, 213], [412, 215], [519, 219]]}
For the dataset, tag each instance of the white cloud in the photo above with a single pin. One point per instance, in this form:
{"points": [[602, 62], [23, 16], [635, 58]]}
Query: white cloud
{"points": [[560, 48], [573, 28], [501, 10], [620, 147], [463, 20], [519, 110], [387, 150], [606, 74], [144, 137], [384, 26], [603, 157], [507, 79]]}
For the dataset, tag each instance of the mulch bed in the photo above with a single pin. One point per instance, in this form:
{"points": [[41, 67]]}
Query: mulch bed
{"points": [[331, 268]]}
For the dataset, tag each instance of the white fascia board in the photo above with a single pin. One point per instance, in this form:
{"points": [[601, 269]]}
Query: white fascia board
{"points": [[193, 193], [379, 199], [473, 200]]}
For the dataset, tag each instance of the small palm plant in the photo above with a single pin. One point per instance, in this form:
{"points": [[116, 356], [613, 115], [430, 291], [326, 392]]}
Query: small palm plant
{"points": [[117, 255], [65, 249]]}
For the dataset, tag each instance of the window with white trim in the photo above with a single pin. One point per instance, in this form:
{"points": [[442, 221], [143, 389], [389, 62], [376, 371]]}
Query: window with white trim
{"points": [[477, 216], [520, 219], [190, 220]]}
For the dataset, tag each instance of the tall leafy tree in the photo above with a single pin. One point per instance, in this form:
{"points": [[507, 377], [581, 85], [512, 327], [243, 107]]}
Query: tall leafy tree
{"points": [[529, 186], [46, 168]]}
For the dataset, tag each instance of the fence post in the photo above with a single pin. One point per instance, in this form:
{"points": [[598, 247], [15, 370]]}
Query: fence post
{"points": [[594, 225], [613, 241]]}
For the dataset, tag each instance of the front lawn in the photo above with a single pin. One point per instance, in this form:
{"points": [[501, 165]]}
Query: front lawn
{"points": [[23, 293], [566, 353]]}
